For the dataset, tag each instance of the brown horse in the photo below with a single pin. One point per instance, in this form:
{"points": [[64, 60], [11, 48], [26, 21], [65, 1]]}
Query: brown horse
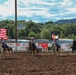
{"points": [[32, 48]]}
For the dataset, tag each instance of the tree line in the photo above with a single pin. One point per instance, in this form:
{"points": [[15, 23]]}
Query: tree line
{"points": [[39, 30]]}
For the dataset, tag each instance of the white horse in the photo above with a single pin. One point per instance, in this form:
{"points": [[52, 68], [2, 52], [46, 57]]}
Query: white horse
{"points": [[55, 48]]}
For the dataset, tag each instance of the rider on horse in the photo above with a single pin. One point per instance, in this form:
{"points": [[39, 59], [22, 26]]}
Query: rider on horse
{"points": [[33, 42], [3, 43], [73, 46], [32, 46], [57, 43]]}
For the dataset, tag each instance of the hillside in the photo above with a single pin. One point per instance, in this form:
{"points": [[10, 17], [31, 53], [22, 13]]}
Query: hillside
{"points": [[64, 21]]}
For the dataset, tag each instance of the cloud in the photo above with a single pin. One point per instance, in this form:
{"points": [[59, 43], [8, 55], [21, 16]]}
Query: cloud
{"points": [[39, 10], [7, 9]]}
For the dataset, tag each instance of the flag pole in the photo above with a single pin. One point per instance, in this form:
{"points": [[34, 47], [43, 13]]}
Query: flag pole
{"points": [[16, 23]]}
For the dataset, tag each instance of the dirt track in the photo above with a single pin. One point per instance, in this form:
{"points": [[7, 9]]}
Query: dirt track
{"points": [[44, 64]]}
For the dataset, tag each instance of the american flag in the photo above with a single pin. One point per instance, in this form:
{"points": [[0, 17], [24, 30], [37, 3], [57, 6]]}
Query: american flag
{"points": [[3, 33]]}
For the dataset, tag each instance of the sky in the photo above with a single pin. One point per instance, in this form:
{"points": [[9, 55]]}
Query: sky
{"points": [[38, 10]]}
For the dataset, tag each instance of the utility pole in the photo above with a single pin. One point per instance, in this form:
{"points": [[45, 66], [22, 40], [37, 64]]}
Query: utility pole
{"points": [[16, 23]]}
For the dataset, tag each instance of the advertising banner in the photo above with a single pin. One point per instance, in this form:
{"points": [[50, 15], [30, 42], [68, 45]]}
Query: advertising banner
{"points": [[43, 45]]}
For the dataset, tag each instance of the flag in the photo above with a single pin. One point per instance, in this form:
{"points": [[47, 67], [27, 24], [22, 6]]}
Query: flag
{"points": [[57, 36], [3, 33], [53, 36]]}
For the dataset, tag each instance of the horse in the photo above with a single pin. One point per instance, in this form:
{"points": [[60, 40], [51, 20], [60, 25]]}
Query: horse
{"points": [[7, 50], [73, 46], [32, 48], [56, 47]]}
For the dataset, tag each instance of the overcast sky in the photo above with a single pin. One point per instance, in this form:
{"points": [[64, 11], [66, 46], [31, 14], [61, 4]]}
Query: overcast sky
{"points": [[38, 10]]}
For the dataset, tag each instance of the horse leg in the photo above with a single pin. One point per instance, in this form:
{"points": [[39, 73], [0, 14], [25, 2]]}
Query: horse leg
{"points": [[30, 51], [72, 50], [53, 49], [56, 52], [37, 51], [1, 53], [57, 49], [59, 52], [34, 51], [6, 53], [9, 53]]}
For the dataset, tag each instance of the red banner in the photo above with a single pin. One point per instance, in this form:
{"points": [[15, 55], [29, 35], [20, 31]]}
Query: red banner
{"points": [[43, 45], [18, 44]]}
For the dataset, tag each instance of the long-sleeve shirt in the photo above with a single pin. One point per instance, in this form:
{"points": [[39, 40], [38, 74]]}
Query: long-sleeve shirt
{"points": [[32, 41], [2, 41]]}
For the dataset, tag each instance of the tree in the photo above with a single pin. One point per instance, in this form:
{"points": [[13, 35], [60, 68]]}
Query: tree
{"points": [[62, 35], [21, 33], [32, 34], [45, 34]]}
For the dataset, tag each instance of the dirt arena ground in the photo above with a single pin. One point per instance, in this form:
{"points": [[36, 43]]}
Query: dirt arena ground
{"points": [[22, 63]]}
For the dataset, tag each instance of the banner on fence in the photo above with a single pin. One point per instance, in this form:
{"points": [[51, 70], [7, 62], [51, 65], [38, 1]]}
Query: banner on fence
{"points": [[43, 45]]}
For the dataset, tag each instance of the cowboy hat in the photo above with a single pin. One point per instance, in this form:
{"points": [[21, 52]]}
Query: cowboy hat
{"points": [[32, 37]]}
